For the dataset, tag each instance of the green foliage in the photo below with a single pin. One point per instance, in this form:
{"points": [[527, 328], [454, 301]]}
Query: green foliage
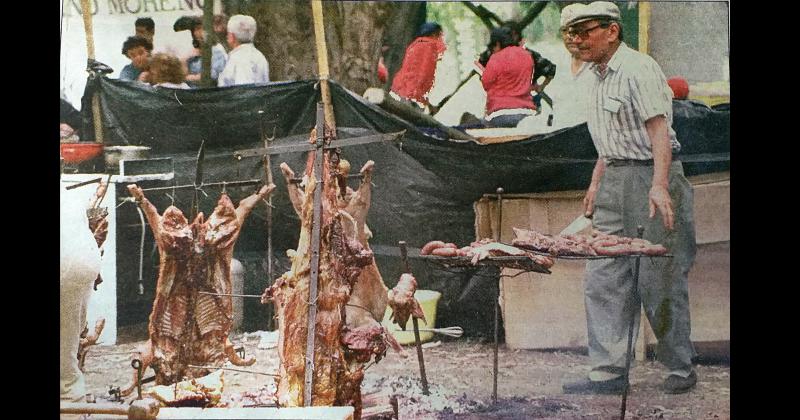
{"points": [[545, 26]]}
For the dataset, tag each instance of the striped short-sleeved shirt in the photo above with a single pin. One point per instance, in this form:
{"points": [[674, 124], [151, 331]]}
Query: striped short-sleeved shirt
{"points": [[632, 90]]}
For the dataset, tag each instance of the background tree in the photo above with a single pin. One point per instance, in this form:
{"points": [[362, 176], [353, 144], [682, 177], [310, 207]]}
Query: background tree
{"points": [[354, 31]]}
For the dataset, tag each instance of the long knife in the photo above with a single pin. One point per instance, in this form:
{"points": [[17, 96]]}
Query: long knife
{"points": [[580, 223]]}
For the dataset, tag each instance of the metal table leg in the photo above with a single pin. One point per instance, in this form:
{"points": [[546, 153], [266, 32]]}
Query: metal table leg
{"points": [[497, 298], [640, 232]]}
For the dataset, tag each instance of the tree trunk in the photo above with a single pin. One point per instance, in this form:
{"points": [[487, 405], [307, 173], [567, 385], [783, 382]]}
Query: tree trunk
{"points": [[354, 32]]}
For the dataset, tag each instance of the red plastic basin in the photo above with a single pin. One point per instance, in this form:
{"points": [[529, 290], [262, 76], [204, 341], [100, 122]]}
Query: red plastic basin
{"points": [[80, 152]]}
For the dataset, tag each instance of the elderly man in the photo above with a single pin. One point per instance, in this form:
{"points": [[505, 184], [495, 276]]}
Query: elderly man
{"points": [[246, 64], [637, 181]]}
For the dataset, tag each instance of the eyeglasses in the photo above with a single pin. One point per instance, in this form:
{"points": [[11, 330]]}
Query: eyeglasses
{"points": [[582, 33]]}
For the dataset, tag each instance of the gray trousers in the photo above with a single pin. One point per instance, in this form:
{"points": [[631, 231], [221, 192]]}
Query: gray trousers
{"points": [[621, 204]]}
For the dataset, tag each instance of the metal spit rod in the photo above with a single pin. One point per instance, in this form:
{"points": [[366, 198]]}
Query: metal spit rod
{"points": [[211, 184], [141, 251], [415, 323], [235, 370], [497, 300], [315, 243]]}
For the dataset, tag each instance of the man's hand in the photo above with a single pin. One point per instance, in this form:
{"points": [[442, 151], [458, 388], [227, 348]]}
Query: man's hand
{"points": [[659, 199], [588, 201]]}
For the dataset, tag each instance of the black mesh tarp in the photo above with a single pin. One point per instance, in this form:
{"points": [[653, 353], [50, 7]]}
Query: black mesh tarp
{"points": [[424, 187]]}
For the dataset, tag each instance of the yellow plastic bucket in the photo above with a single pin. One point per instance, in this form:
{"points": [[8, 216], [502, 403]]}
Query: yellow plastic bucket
{"points": [[428, 299]]}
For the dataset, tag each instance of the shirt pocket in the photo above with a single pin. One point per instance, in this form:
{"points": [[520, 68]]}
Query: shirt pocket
{"points": [[616, 108], [612, 104]]}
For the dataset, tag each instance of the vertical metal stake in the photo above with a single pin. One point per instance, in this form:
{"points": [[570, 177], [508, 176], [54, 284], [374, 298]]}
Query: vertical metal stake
{"points": [[640, 233], [497, 298], [315, 244], [415, 322], [137, 364]]}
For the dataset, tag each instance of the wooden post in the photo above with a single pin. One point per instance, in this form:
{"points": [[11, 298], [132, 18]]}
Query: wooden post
{"points": [[87, 27], [322, 62], [268, 179], [644, 26], [208, 40]]}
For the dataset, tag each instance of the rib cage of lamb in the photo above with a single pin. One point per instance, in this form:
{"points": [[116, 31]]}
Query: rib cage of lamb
{"points": [[188, 327], [346, 336]]}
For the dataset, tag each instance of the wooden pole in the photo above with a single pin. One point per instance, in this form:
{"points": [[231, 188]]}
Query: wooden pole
{"points": [[644, 26], [208, 40], [268, 179], [87, 26], [322, 62]]}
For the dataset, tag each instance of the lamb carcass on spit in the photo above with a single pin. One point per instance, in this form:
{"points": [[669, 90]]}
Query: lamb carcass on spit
{"points": [[344, 263], [188, 327], [369, 296]]}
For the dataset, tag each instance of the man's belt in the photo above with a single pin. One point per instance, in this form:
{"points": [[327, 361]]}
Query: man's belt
{"points": [[634, 162]]}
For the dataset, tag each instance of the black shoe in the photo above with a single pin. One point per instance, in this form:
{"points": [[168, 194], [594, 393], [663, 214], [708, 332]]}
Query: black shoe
{"points": [[586, 386], [675, 384]]}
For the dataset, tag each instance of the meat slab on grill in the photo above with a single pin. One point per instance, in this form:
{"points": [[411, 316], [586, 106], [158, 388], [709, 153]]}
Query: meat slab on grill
{"points": [[340, 347], [481, 250], [186, 326], [583, 245]]}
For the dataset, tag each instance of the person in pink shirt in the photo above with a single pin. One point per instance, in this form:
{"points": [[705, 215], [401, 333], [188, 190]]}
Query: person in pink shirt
{"points": [[414, 80], [507, 81]]}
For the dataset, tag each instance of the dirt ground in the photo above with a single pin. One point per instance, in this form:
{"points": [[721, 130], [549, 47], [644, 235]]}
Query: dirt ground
{"points": [[460, 379]]}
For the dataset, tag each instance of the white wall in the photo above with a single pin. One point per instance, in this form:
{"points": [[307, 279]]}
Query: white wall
{"points": [[113, 22], [691, 39]]}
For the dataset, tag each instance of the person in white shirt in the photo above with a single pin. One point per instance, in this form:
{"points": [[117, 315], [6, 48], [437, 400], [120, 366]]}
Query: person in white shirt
{"points": [[574, 110], [80, 266], [246, 64]]}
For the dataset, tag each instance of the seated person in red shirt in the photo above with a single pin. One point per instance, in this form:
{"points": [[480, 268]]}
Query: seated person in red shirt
{"points": [[414, 80], [507, 81]]}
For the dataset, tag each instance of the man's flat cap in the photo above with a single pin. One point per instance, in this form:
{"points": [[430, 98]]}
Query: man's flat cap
{"points": [[577, 13]]}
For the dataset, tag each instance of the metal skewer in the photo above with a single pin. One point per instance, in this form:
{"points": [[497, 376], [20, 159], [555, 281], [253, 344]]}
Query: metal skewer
{"points": [[229, 294], [235, 370], [211, 184], [448, 331]]}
